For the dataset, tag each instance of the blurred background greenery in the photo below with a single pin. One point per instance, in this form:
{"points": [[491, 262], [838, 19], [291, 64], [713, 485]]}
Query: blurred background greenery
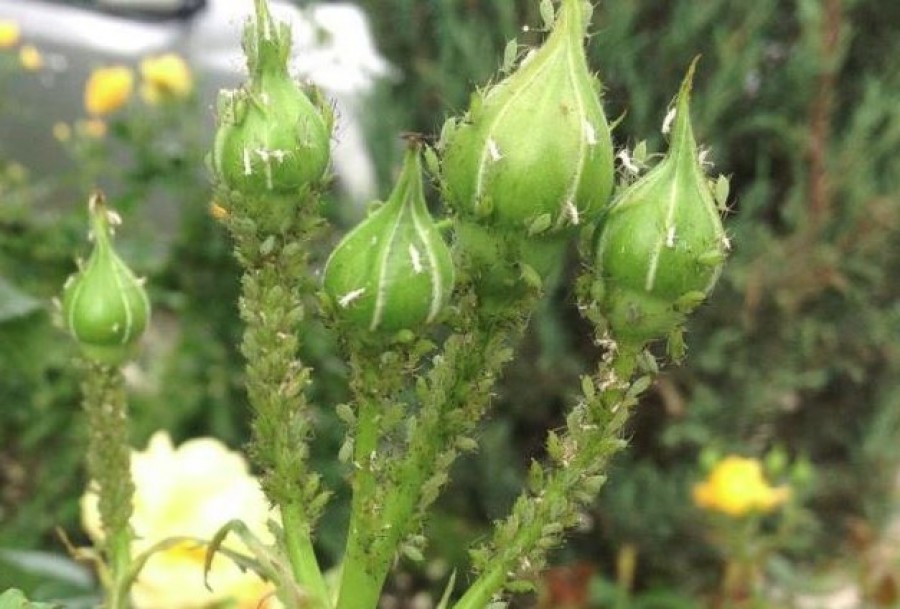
{"points": [[794, 360]]}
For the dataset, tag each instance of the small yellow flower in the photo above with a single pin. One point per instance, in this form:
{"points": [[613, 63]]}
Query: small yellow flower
{"points": [[93, 127], [190, 490], [9, 33], [165, 77], [62, 132], [736, 486], [30, 58], [108, 89]]}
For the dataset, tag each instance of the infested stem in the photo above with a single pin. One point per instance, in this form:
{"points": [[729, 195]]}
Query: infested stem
{"points": [[579, 459], [275, 273], [109, 466], [363, 572], [453, 399]]}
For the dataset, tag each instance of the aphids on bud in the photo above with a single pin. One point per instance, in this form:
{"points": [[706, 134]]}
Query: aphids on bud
{"points": [[271, 138], [393, 271], [537, 144], [105, 307], [661, 245]]}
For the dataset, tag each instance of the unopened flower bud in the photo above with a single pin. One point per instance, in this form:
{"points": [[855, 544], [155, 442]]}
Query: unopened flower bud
{"points": [[271, 138], [105, 307], [393, 271], [661, 246], [534, 151]]}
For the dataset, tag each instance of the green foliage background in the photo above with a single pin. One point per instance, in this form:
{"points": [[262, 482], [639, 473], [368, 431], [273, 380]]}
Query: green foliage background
{"points": [[798, 348]]}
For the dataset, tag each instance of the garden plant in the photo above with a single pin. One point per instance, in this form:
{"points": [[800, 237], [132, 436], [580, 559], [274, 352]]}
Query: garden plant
{"points": [[427, 313], [393, 375]]}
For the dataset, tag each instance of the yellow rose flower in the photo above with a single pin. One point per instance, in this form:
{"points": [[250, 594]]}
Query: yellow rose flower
{"points": [[108, 89], [94, 128], [165, 77], [9, 33], [191, 490], [736, 486], [30, 58]]}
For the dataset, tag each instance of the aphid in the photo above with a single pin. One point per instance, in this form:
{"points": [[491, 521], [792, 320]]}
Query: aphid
{"points": [[509, 55], [548, 15]]}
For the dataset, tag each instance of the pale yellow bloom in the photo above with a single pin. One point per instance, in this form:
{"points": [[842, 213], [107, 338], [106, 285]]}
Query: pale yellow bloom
{"points": [[190, 491], [62, 131], [93, 127], [736, 486], [30, 58], [108, 89], [165, 77], [9, 33]]}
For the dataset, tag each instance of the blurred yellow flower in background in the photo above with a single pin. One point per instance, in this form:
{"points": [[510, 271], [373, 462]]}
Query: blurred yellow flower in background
{"points": [[190, 491], [30, 58], [93, 127], [108, 89], [9, 33], [62, 132], [736, 486], [165, 77]]}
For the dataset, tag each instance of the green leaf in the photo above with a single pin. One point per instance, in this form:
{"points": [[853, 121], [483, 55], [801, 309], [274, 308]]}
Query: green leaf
{"points": [[15, 599]]}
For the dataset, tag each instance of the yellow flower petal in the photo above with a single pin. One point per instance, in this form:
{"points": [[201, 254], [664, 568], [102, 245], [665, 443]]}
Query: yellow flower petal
{"points": [[108, 89], [165, 77], [736, 486], [30, 58], [9, 33]]}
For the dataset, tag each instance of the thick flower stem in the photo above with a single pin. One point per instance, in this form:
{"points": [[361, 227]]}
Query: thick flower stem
{"points": [[109, 466]]}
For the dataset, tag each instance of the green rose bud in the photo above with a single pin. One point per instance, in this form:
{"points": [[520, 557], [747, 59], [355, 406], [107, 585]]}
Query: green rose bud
{"points": [[271, 139], [661, 246], [104, 305], [534, 153], [393, 271]]}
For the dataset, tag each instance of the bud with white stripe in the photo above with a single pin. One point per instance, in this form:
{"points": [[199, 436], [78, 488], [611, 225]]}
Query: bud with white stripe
{"points": [[661, 245], [105, 307], [271, 139], [394, 270], [533, 152]]}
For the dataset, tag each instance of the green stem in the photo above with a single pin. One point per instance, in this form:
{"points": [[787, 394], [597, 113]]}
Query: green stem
{"points": [[305, 566], [109, 466], [275, 277], [540, 515], [363, 574], [454, 398]]}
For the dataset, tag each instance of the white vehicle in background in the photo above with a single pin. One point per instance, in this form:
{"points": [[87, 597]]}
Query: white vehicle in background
{"points": [[333, 48]]}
